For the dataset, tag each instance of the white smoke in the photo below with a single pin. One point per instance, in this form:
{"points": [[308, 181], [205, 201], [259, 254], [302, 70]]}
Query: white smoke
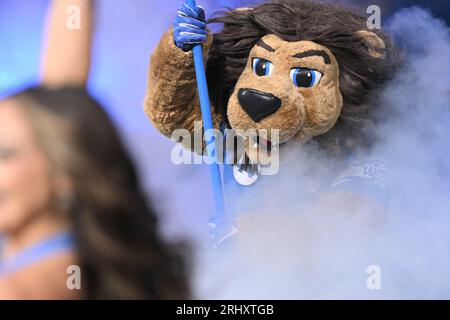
{"points": [[291, 251]]}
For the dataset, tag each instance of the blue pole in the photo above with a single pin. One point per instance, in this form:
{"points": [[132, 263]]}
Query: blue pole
{"points": [[208, 123]]}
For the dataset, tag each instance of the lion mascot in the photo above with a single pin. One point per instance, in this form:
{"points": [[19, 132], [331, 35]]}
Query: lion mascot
{"points": [[310, 70]]}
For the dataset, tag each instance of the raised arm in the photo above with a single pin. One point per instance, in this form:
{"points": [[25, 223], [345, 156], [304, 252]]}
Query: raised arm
{"points": [[67, 49], [171, 101]]}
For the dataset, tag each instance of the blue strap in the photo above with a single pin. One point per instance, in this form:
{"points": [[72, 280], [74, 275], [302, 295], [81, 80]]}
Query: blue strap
{"points": [[56, 244]]}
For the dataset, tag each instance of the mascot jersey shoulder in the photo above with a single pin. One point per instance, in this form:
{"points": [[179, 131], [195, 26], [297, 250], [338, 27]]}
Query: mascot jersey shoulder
{"points": [[246, 189]]}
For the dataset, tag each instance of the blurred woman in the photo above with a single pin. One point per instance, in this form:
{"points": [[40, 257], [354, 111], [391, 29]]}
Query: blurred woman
{"points": [[70, 201]]}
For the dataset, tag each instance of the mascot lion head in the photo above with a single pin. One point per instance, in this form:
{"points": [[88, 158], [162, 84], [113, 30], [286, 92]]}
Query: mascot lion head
{"points": [[307, 69]]}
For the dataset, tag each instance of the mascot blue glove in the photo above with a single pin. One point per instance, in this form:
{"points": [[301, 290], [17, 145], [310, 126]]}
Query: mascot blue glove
{"points": [[189, 27]]}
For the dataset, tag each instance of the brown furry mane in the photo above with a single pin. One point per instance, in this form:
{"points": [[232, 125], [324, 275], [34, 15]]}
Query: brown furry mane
{"points": [[332, 26]]}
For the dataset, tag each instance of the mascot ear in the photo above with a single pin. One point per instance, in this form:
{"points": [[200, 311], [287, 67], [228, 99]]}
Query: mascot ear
{"points": [[375, 45]]}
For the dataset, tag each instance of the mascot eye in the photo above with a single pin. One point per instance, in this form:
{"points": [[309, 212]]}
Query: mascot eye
{"points": [[305, 78], [262, 68]]}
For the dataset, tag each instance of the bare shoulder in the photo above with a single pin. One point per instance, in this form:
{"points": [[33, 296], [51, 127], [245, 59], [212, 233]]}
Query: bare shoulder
{"points": [[46, 279]]}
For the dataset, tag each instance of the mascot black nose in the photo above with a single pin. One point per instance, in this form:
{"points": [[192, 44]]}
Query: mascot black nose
{"points": [[258, 105]]}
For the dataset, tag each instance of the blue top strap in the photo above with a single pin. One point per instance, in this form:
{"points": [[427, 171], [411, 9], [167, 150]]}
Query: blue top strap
{"points": [[51, 246]]}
